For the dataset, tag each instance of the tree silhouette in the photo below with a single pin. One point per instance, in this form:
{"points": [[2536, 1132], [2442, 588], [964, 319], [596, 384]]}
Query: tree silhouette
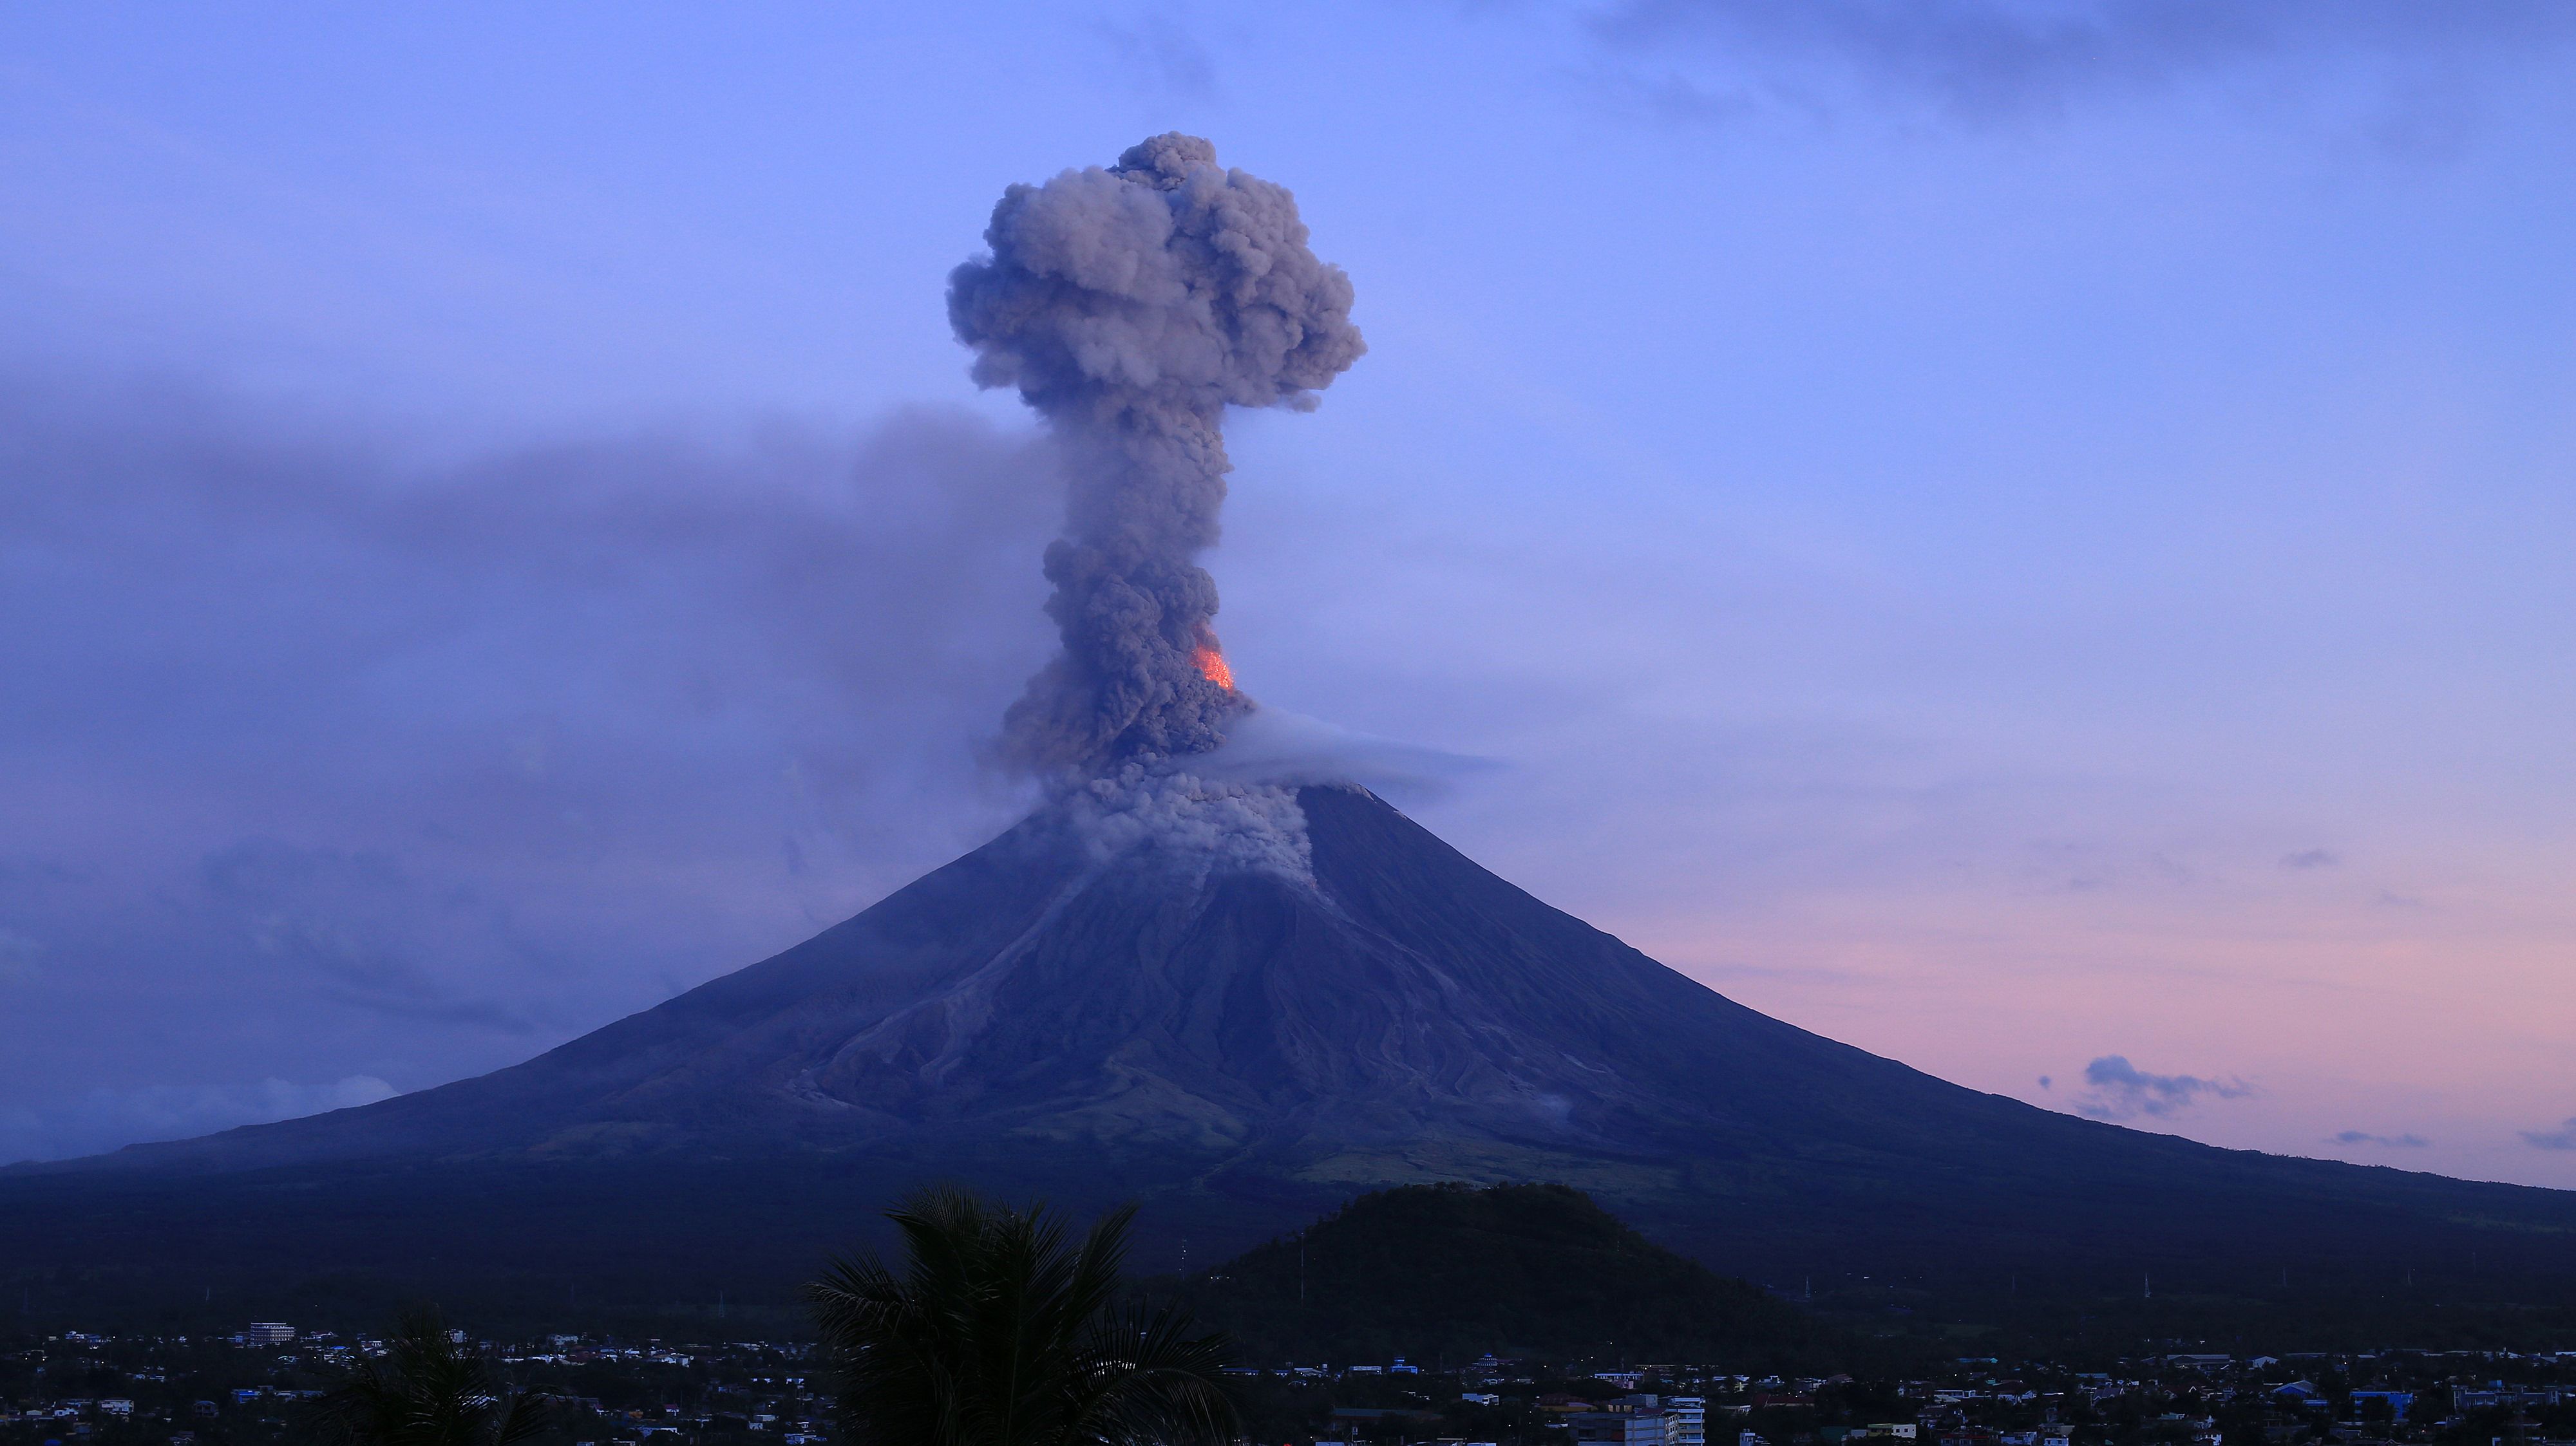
{"points": [[427, 1389], [998, 1331]]}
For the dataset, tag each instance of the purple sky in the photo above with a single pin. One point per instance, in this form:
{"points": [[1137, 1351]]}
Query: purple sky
{"points": [[2030, 537]]}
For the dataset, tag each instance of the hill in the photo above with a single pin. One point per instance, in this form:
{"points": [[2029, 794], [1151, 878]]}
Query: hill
{"points": [[1446, 1273]]}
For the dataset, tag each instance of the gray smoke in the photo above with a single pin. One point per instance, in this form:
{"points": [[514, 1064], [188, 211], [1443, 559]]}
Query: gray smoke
{"points": [[1131, 306]]}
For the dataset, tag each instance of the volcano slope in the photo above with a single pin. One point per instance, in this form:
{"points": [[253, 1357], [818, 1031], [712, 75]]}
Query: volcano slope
{"points": [[1240, 1050]]}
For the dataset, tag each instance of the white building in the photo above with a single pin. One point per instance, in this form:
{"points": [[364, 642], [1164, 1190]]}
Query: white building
{"points": [[1685, 1421], [1636, 1421]]}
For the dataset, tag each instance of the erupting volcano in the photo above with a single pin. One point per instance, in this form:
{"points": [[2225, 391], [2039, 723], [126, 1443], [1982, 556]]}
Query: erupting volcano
{"points": [[1238, 999]]}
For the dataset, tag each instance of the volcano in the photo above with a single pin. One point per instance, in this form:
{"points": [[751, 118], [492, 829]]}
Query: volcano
{"points": [[1238, 1047]]}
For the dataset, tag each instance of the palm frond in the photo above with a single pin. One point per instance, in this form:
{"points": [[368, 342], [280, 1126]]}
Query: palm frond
{"points": [[426, 1390], [998, 1329]]}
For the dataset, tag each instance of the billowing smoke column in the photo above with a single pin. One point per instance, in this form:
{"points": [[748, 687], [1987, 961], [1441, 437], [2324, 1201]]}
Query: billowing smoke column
{"points": [[1131, 306]]}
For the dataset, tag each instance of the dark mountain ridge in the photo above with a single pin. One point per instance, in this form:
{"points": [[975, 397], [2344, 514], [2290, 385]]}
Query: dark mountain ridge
{"points": [[1240, 1049]]}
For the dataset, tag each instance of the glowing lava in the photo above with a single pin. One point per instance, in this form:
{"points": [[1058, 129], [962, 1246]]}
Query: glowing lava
{"points": [[1212, 665]]}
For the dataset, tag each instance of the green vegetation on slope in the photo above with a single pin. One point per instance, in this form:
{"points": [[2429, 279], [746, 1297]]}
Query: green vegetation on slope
{"points": [[1437, 1273]]}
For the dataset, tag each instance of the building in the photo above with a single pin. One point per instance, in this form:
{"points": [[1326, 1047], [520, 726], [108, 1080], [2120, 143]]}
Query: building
{"points": [[2469, 1398], [1685, 1421], [1618, 1428], [269, 1332], [1636, 1421], [1347, 1420]]}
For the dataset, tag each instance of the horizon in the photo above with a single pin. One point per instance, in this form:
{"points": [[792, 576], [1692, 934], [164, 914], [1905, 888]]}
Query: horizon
{"points": [[2031, 546]]}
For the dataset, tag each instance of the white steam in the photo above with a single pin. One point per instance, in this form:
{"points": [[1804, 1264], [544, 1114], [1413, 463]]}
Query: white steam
{"points": [[1271, 745]]}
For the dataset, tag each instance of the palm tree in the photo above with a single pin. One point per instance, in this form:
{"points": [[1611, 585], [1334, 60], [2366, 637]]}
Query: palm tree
{"points": [[1000, 1332], [427, 1389]]}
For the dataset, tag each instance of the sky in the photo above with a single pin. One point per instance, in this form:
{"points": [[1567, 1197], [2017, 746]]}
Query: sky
{"points": [[2026, 535]]}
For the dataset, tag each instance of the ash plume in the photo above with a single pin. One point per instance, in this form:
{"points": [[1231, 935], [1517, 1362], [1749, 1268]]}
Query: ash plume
{"points": [[1131, 306]]}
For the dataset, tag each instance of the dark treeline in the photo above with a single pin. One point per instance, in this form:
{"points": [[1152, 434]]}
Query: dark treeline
{"points": [[1422, 1272]]}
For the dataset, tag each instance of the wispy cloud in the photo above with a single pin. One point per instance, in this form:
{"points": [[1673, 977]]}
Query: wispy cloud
{"points": [[18, 955], [104, 1119], [417, 759], [1990, 61], [356, 924], [1162, 54], [2393, 1142], [2311, 859], [2562, 1138], [2118, 1090]]}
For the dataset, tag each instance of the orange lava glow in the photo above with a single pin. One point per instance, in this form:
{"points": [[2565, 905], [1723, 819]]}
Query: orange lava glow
{"points": [[1212, 666]]}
